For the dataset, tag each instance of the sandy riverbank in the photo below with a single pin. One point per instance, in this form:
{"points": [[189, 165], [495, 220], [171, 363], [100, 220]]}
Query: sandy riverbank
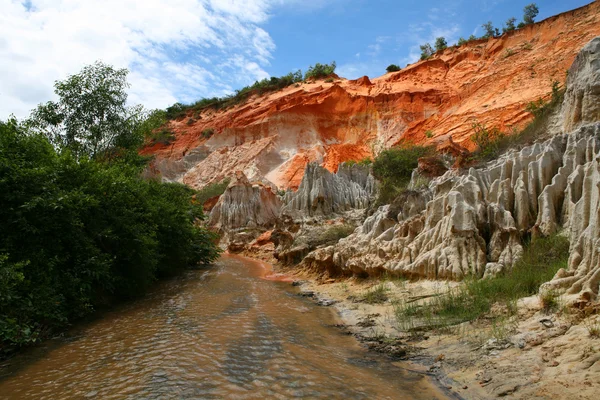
{"points": [[530, 356]]}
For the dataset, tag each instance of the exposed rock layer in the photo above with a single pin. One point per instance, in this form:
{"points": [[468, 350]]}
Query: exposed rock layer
{"points": [[278, 134]]}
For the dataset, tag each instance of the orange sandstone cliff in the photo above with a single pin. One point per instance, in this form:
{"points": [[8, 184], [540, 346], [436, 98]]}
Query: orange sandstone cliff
{"points": [[274, 136]]}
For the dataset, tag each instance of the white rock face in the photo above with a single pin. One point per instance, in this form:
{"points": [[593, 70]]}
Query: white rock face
{"points": [[472, 224], [245, 205], [322, 193], [583, 88]]}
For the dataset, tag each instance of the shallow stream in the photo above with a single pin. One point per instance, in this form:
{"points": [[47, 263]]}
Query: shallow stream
{"points": [[219, 333]]}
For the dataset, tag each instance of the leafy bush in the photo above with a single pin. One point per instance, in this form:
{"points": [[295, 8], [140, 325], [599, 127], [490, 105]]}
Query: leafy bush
{"points": [[208, 132], [461, 41], [334, 233], [487, 141], [541, 259], [320, 71], [164, 136], [393, 168], [393, 68], [364, 161]]}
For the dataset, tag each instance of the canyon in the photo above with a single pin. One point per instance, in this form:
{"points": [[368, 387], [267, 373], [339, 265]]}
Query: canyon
{"points": [[301, 196]]}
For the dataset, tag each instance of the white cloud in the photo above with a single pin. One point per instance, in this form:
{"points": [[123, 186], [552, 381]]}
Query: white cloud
{"points": [[174, 49]]}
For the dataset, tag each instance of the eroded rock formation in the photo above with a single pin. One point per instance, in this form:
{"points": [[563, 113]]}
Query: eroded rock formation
{"points": [[322, 193], [473, 224], [245, 210]]}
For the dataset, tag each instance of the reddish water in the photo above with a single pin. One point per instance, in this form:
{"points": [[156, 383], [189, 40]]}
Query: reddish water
{"points": [[221, 333]]}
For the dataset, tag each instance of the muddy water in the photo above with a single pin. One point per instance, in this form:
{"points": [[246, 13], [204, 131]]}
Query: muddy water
{"points": [[222, 333]]}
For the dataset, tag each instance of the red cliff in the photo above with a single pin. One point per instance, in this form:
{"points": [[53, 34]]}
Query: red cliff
{"points": [[276, 135]]}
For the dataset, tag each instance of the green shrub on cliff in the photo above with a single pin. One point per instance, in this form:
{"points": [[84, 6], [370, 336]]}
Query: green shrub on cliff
{"points": [[393, 168], [320, 71], [211, 190]]}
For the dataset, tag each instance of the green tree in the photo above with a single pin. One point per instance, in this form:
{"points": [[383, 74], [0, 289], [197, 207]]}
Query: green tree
{"points": [[461, 41], [392, 68], [509, 25], [489, 30], [426, 51], [530, 11], [441, 44], [91, 117]]}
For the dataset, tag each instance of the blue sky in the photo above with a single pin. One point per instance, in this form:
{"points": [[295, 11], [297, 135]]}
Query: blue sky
{"points": [[364, 37], [183, 50]]}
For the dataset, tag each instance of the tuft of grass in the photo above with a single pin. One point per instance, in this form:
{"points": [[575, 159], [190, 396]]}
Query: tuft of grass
{"points": [[376, 295], [593, 328], [550, 300], [541, 259], [508, 53]]}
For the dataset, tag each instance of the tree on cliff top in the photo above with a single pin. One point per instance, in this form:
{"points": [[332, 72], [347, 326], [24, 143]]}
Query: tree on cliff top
{"points": [[489, 30], [510, 25], [441, 44], [426, 51], [529, 13], [91, 117]]}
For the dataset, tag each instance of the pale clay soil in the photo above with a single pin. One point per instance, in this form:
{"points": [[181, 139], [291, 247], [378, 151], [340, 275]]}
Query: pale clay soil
{"points": [[538, 356]]}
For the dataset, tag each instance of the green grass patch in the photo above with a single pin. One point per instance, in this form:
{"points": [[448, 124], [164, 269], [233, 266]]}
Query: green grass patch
{"points": [[376, 295], [212, 190], [542, 258]]}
